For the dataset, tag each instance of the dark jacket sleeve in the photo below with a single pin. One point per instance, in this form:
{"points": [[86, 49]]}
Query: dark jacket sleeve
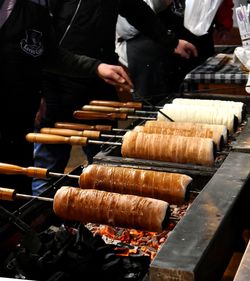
{"points": [[69, 64], [62, 62], [141, 16]]}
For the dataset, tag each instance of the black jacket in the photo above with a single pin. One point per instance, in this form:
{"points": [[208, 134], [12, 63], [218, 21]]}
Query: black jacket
{"points": [[25, 40], [28, 42], [88, 26]]}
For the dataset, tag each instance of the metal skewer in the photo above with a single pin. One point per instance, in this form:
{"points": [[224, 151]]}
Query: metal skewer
{"points": [[116, 109], [10, 169], [56, 139], [9, 194], [92, 115], [134, 105], [82, 127], [69, 132]]}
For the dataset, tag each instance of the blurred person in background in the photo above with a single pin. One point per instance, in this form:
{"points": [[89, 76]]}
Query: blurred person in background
{"points": [[154, 73]]}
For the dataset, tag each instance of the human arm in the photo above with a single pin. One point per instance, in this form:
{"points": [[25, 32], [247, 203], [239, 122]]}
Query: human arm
{"points": [[142, 17], [72, 65]]}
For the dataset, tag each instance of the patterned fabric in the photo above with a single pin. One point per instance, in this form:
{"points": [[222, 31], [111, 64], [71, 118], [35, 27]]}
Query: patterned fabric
{"points": [[215, 72]]}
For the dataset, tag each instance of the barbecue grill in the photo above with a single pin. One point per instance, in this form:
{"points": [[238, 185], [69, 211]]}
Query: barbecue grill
{"points": [[200, 245]]}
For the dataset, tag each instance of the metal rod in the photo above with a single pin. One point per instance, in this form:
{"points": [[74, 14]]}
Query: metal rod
{"points": [[128, 110], [120, 130], [194, 191], [111, 136], [141, 117], [62, 175], [37, 172], [27, 197], [97, 115], [16, 220], [143, 99], [105, 142], [152, 107], [145, 112]]}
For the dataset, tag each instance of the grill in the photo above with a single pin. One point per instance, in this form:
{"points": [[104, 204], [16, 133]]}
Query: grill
{"points": [[200, 245]]}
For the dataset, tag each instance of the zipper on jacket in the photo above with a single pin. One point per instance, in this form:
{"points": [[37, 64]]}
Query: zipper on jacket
{"points": [[72, 19]]}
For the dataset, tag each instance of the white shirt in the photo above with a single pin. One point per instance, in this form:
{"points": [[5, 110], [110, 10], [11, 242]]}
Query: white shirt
{"points": [[6, 10], [127, 31]]}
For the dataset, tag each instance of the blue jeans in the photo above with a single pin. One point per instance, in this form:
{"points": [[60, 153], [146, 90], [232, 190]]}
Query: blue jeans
{"points": [[62, 96]]}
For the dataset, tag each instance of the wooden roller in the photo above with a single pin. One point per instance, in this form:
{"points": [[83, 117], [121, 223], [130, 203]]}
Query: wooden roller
{"points": [[200, 114], [109, 109], [135, 105], [217, 129], [237, 108], [170, 187], [7, 194], [200, 133], [92, 115], [10, 194], [169, 148], [55, 139], [128, 110], [96, 115], [10, 169], [95, 206], [82, 127], [69, 132]]}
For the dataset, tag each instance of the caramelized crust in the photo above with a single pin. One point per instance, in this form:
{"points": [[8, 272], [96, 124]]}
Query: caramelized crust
{"points": [[169, 187], [95, 206], [220, 130], [200, 133], [168, 148]]}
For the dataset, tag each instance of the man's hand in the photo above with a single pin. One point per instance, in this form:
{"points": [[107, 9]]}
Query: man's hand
{"points": [[115, 75], [185, 49]]}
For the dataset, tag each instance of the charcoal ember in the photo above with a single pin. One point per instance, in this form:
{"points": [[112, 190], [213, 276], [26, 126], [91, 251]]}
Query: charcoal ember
{"points": [[65, 254], [132, 268]]}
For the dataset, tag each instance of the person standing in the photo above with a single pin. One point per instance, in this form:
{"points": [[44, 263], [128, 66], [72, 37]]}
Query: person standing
{"points": [[154, 73], [27, 44]]}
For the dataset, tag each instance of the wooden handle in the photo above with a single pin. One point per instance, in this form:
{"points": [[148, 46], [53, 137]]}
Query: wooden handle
{"points": [[135, 105], [9, 169], [55, 139], [108, 109], [7, 194], [81, 127], [69, 132], [91, 115]]}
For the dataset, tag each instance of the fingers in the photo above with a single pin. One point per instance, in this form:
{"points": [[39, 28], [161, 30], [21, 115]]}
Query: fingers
{"points": [[114, 75], [192, 50], [119, 75], [186, 49]]}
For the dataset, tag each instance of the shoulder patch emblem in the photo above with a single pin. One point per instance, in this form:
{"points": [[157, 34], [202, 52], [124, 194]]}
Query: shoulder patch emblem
{"points": [[32, 44]]}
